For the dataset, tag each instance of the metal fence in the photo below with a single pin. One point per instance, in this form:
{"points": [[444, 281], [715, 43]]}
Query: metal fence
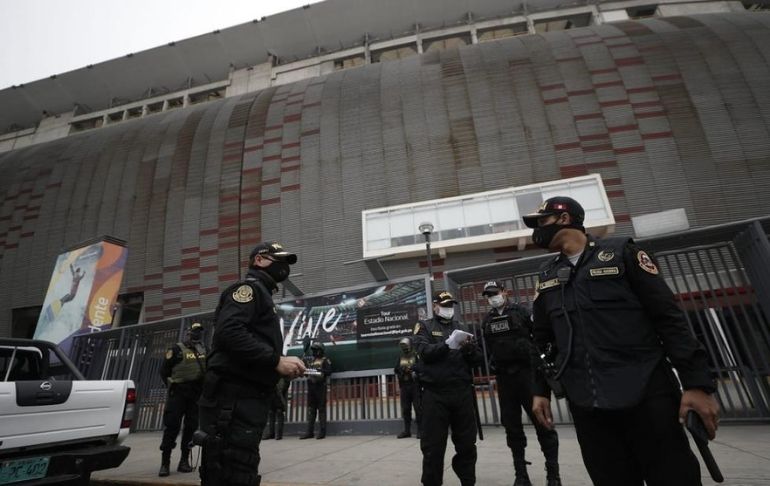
{"points": [[722, 285]]}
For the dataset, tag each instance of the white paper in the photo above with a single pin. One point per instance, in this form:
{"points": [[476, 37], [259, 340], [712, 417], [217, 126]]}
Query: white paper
{"points": [[457, 338]]}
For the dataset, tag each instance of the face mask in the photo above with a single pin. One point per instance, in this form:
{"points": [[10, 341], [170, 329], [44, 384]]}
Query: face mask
{"points": [[496, 300], [195, 336], [543, 235], [278, 270], [446, 312]]}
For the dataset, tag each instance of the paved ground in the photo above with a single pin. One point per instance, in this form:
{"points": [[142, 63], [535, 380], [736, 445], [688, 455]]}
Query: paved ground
{"points": [[743, 452]]}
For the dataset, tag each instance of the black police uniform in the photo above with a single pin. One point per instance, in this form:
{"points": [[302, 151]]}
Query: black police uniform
{"points": [[409, 391], [183, 370], [614, 322], [446, 382], [277, 414], [240, 381], [507, 335], [316, 393]]}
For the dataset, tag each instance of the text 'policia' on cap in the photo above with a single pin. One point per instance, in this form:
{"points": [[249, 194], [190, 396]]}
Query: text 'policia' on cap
{"points": [[556, 206]]}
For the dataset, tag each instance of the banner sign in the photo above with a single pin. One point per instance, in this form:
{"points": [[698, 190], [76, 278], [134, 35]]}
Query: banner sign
{"points": [[82, 292], [351, 322], [391, 321]]}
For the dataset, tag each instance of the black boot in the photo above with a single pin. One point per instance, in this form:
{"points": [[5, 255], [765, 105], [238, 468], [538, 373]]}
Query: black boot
{"points": [[321, 424], [419, 430], [310, 424], [279, 427], [184, 462], [165, 460], [407, 432], [552, 474], [522, 477]]}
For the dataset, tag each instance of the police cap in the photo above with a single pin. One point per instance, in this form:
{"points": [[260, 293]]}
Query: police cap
{"points": [[555, 206]]}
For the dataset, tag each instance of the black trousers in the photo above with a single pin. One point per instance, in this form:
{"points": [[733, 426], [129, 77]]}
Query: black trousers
{"points": [[643, 444], [515, 393], [448, 408], [316, 403], [182, 403], [410, 398], [234, 424]]}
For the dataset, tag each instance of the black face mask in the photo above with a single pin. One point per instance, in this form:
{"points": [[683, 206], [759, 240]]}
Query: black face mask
{"points": [[544, 235], [278, 270], [195, 336]]}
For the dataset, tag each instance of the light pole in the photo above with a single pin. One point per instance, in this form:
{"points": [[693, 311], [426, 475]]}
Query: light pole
{"points": [[426, 229]]}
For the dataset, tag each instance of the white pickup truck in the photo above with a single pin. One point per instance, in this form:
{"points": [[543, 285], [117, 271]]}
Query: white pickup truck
{"points": [[55, 426]]}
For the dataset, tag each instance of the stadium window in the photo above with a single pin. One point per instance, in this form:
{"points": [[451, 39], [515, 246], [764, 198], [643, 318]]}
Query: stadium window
{"points": [[175, 103], [207, 95], [24, 321], [349, 62], [444, 43], [394, 53], [642, 11], [502, 32], [154, 107], [88, 124], [115, 116], [135, 112], [476, 219], [128, 309], [562, 23], [756, 6]]}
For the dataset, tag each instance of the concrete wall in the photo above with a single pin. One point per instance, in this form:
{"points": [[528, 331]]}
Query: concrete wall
{"points": [[671, 112]]}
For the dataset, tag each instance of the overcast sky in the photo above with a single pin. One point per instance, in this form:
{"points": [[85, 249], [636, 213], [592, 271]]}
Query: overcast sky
{"points": [[39, 38]]}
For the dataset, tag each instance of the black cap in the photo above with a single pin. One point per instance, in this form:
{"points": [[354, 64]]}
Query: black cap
{"points": [[492, 287], [442, 297], [274, 250], [557, 205]]}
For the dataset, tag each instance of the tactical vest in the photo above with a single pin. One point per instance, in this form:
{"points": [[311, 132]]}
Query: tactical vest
{"points": [[613, 348], [406, 367], [507, 336], [318, 364], [190, 368]]}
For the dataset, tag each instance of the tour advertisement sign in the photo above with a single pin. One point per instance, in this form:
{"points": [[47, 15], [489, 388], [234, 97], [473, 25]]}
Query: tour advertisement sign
{"points": [[82, 291], [360, 327]]}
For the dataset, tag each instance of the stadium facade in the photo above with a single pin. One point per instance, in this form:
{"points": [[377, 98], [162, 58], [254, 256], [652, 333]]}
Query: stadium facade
{"points": [[670, 113]]}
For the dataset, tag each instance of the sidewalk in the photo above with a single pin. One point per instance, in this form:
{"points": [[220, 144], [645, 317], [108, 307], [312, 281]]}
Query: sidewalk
{"points": [[743, 453]]}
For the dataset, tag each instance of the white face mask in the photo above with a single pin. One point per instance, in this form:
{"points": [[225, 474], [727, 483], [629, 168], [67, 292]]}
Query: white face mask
{"points": [[446, 312], [497, 300]]}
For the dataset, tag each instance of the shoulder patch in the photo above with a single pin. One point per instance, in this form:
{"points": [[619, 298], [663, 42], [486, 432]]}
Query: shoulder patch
{"points": [[243, 294], [169, 354], [416, 328], [646, 263]]}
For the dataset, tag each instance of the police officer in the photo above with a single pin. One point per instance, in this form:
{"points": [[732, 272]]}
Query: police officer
{"points": [[182, 372], [507, 337], [277, 414], [408, 385], [446, 357], [244, 365], [615, 329], [320, 367]]}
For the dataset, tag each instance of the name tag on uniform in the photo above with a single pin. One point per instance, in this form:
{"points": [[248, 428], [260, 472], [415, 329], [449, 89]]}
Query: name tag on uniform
{"points": [[438, 333], [600, 272], [499, 326], [554, 282]]}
